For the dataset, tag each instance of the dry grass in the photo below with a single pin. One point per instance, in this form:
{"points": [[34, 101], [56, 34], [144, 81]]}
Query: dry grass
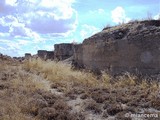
{"points": [[93, 106], [62, 73], [27, 97], [127, 88], [29, 83], [15, 97], [59, 71], [13, 106]]}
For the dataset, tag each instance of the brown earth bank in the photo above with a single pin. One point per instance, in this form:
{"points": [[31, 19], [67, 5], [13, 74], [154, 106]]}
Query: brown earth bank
{"points": [[49, 90]]}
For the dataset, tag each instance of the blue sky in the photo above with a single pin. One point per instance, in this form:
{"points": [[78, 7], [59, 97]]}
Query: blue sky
{"points": [[30, 25]]}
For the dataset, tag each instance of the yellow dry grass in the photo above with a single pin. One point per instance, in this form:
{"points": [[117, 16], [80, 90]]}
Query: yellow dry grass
{"points": [[13, 106], [29, 83], [62, 72], [14, 99], [59, 71]]}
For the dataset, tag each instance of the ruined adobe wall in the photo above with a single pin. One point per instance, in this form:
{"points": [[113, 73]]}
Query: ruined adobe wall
{"points": [[42, 54], [50, 55], [63, 51], [28, 55], [78, 56], [45, 55], [133, 47]]}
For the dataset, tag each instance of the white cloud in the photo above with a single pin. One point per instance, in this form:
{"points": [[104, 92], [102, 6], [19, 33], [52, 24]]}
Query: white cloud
{"points": [[11, 45], [60, 9], [26, 23], [119, 16], [8, 20], [156, 17], [4, 35], [11, 2], [43, 16], [88, 30], [23, 42], [48, 47], [17, 28], [98, 11], [101, 11], [2, 48]]}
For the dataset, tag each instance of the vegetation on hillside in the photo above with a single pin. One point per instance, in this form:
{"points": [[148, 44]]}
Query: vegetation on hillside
{"points": [[100, 94], [49, 90]]}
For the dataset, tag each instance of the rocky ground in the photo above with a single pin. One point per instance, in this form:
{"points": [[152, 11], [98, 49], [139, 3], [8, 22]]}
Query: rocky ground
{"points": [[45, 90]]}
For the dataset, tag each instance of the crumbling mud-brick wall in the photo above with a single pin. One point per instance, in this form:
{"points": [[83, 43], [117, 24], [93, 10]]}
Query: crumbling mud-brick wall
{"points": [[77, 56], [50, 55], [132, 47], [42, 54], [45, 55], [63, 51], [20, 59], [28, 55]]}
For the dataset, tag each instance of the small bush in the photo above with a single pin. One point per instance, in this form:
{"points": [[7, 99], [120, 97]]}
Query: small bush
{"points": [[94, 107], [48, 113], [114, 109]]}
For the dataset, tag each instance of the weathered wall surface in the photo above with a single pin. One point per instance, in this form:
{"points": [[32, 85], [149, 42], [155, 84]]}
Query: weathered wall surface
{"points": [[42, 54], [133, 47], [27, 55], [45, 55], [78, 56], [63, 51], [50, 55]]}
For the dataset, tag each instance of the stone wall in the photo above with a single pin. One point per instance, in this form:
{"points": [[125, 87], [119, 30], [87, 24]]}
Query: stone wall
{"points": [[50, 55], [45, 55], [63, 51], [27, 55], [78, 56], [42, 54], [132, 47]]}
